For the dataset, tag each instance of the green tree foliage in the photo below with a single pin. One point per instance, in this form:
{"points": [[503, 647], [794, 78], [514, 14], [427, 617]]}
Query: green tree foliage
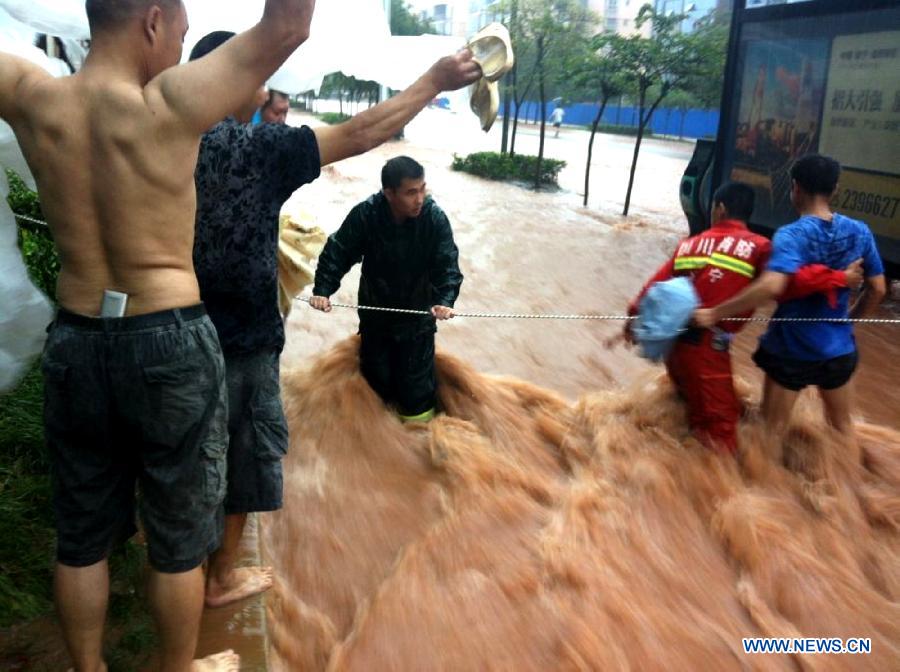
{"points": [[598, 76], [547, 34], [404, 21], [35, 240], [710, 44], [349, 90], [655, 67]]}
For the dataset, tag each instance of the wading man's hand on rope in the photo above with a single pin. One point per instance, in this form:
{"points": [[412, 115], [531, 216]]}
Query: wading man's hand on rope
{"points": [[624, 337], [442, 312], [321, 303]]}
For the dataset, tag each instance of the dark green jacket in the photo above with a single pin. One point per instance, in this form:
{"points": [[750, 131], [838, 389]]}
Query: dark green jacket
{"points": [[411, 265]]}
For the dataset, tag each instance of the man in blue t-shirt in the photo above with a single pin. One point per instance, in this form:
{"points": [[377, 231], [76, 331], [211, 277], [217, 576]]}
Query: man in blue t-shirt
{"points": [[795, 355]]}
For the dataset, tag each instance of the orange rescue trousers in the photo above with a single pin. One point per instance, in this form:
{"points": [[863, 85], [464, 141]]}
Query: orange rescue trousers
{"points": [[703, 377]]}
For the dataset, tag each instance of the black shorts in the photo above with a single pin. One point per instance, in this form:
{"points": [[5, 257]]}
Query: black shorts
{"points": [[400, 369], [258, 434], [136, 403], [794, 374]]}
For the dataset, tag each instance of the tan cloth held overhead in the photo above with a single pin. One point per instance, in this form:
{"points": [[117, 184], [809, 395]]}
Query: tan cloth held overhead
{"points": [[492, 50], [300, 243]]}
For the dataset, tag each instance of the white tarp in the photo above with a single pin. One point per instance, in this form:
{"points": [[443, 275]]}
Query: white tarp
{"points": [[24, 311], [351, 36]]}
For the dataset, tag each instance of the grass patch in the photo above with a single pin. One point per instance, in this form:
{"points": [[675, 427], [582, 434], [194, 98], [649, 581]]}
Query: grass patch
{"points": [[132, 637], [27, 537], [333, 118], [516, 168], [26, 525], [28, 540]]}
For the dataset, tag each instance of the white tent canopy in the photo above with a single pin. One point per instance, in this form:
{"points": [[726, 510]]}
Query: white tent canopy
{"points": [[350, 36]]}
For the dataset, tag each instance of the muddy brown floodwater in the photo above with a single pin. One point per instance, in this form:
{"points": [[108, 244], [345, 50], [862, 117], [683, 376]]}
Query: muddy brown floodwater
{"points": [[557, 516]]}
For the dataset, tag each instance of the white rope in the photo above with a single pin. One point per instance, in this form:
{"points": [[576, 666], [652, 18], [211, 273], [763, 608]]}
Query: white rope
{"points": [[622, 318], [26, 218], [556, 316]]}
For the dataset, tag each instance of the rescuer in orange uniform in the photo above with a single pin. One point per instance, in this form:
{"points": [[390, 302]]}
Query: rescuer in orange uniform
{"points": [[721, 262]]}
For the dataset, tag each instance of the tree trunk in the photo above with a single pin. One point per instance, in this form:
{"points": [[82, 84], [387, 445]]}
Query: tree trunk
{"points": [[518, 102], [515, 127], [510, 85], [587, 168], [507, 106], [543, 110], [642, 124]]}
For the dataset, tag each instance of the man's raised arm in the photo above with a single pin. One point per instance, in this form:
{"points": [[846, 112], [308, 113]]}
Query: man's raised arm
{"points": [[369, 129], [205, 91], [14, 71]]}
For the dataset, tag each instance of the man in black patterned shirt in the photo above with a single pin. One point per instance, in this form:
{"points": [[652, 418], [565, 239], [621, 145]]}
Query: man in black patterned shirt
{"points": [[244, 175]]}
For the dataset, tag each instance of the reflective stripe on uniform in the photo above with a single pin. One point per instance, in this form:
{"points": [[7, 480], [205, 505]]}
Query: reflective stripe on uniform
{"points": [[421, 417], [690, 263], [730, 263]]}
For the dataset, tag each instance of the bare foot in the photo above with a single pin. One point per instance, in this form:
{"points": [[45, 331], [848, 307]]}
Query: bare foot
{"points": [[227, 661], [244, 582]]}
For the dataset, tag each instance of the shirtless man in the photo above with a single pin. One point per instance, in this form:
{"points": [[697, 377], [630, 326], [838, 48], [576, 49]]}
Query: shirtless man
{"points": [[139, 398]]}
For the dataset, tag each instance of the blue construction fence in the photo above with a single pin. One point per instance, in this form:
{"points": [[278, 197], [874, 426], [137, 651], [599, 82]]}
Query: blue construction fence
{"points": [[665, 121]]}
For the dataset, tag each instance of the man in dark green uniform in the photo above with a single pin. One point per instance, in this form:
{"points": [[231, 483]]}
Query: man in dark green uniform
{"points": [[409, 260]]}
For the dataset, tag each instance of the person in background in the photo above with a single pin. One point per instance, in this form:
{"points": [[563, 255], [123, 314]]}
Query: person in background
{"points": [[556, 118], [276, 107]]}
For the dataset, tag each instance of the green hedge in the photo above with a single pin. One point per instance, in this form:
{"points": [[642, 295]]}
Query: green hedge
{"points": [[517, 167], [35, 240], [26, 526], [333, 118]]}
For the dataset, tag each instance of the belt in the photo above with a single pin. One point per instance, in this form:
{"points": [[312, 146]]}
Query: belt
{"points": [[162, 318], [718, 339]]}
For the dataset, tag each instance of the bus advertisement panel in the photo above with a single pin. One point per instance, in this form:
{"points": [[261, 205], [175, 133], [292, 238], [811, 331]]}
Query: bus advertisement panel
{"points": [[820, 76]]}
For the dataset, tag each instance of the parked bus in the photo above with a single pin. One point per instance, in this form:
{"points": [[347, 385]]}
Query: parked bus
{"points": [[808, 76]]}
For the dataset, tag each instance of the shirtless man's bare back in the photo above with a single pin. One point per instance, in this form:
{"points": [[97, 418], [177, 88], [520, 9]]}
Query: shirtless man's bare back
{"points": [[113, 150]]}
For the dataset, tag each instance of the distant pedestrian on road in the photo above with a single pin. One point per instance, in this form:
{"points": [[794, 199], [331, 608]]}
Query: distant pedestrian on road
{"points": [[556, 118]]}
